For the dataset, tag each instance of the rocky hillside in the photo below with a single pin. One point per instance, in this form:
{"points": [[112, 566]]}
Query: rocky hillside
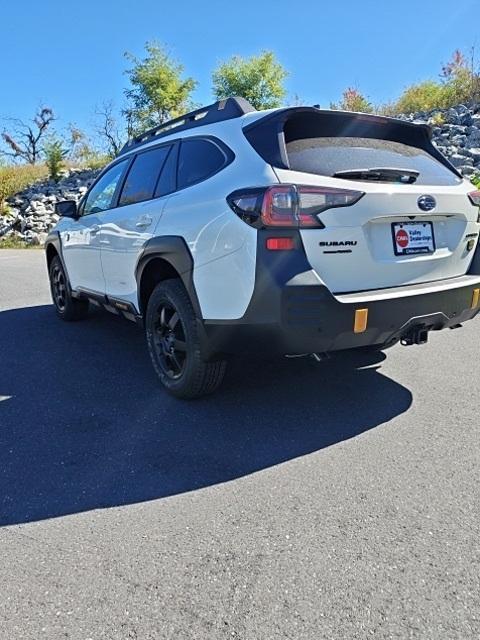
{"points": [[30, 214], [456, 133]]}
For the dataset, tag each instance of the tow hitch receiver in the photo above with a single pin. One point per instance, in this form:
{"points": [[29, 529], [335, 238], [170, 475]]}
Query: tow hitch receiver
{"points": [[417, 335]]}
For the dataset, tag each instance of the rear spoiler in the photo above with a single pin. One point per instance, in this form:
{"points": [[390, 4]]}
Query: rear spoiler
{"points": [[269, 135]]}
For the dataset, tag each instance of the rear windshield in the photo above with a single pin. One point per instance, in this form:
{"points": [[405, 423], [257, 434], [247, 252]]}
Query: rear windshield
{"points": [[327, 155]]}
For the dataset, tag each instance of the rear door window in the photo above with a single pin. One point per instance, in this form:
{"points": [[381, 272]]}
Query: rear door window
{"points": [[199, 159], [167, 183], [143, 176], [327, 155]]}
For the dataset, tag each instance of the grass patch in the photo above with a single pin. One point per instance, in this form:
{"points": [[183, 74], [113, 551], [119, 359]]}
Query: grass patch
{"points": [[12, 242], [16, 178]]}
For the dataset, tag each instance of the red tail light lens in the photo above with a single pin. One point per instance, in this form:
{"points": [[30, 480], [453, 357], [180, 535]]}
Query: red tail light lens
{"points": [[475, 198], [278, 207], [289, 205]]}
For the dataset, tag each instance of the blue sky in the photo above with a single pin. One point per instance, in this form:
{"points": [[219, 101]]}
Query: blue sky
{"points": [[69, 55]]}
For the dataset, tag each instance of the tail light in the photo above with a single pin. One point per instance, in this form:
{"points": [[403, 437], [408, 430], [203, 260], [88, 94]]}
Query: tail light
{"points": [[289, 205], [474, 197]]}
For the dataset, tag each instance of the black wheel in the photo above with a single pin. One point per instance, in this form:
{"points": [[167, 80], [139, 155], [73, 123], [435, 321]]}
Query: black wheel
{"points": [[67, 307], [174, 343]]}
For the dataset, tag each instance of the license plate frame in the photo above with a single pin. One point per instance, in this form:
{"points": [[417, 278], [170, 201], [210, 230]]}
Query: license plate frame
{"points": [[416, 242]]}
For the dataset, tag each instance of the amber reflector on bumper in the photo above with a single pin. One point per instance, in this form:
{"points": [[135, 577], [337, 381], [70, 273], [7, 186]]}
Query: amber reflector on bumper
{"points": [[361, 320], [475, 298]]}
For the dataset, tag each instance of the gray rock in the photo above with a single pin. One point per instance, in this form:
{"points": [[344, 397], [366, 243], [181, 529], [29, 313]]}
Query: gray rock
{"points": [[457, 160], [459, 140], [452, 116], [466, 119], [473, 139], [475, 154], [31, 212]]}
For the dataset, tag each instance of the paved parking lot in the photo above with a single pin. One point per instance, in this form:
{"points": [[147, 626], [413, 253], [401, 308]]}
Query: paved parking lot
{"points": [[331, 501]]}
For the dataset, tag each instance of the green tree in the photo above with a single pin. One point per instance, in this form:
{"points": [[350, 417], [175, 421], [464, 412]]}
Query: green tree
{"points": [[353, 100], [259, 79], [157, 91]]}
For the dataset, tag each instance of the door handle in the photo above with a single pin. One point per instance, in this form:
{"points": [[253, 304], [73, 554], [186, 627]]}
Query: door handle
{"points": [[144, 221], [95, 229]]}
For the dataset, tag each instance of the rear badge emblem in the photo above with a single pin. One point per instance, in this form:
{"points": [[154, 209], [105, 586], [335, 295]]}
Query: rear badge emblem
{"points": [[426, 203]]}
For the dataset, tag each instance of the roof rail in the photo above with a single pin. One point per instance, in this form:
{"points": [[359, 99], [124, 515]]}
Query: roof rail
{"points": [[216, 112]]}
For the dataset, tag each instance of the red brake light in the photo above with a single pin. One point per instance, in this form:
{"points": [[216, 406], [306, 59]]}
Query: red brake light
{"points": [[289, 205], [278, 207], [475, 198]]}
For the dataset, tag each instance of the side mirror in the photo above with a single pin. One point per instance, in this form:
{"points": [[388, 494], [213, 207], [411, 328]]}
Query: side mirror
{"points": [[67, 209]]}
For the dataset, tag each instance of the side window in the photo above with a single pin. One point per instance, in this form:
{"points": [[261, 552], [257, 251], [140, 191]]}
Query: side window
{"points": [[143, 175], [101, 195], [167, 182], [199, 159]]}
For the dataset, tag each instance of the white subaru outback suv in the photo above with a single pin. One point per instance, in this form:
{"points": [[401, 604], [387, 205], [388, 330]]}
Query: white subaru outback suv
{"points": [[288, 231]]}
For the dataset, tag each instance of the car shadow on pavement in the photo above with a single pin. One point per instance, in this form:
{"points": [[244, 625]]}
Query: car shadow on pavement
{"points": [[85, 425]]}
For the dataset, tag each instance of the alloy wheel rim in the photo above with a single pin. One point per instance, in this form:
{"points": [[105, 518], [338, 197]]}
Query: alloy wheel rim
{"points": [[170, 341], [59, 287]]}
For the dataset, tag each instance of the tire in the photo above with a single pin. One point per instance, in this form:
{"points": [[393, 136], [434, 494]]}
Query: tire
{"points": [[66, 307], [174, 344]]}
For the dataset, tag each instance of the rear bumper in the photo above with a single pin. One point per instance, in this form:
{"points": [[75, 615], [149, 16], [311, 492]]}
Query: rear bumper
{"points": [[313, 321], [292, 312]]}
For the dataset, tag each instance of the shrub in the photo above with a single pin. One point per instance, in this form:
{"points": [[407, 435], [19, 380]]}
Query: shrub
{"points": [[54, 158], [353, 100], [89, 158], [437, 120], [459, 83], [17, 177], [476, 180], [460, 79], [425, 96]]}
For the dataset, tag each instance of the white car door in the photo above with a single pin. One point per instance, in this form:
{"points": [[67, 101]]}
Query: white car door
{"points": [[81, 241], [125, 229]]}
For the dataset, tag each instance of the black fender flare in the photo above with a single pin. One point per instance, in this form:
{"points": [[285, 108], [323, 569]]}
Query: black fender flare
{"points": [[53, 239], [175, 251]]}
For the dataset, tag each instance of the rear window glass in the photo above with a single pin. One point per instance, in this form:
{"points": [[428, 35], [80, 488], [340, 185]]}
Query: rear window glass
{"points": [[327, 155]]}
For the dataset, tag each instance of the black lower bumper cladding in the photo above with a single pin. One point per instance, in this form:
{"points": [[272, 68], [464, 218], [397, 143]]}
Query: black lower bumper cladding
{"points": [[292, 313]]}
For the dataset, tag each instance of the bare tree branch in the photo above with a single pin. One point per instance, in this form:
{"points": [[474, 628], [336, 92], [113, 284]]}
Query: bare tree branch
{"points": [[108, 129], [25, 141]]}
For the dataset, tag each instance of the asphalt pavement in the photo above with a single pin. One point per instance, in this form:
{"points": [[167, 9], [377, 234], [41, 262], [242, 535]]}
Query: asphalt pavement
{"points": [[330, 501]]}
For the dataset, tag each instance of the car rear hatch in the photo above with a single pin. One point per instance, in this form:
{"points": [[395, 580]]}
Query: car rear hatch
{"points": [[414, 222]]}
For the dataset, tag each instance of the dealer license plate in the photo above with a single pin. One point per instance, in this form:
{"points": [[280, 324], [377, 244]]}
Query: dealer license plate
{"points": [[410, 238]]}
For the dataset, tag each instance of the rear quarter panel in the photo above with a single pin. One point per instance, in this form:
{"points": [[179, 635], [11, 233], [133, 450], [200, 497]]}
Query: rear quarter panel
{"points": [[223, 247]]}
